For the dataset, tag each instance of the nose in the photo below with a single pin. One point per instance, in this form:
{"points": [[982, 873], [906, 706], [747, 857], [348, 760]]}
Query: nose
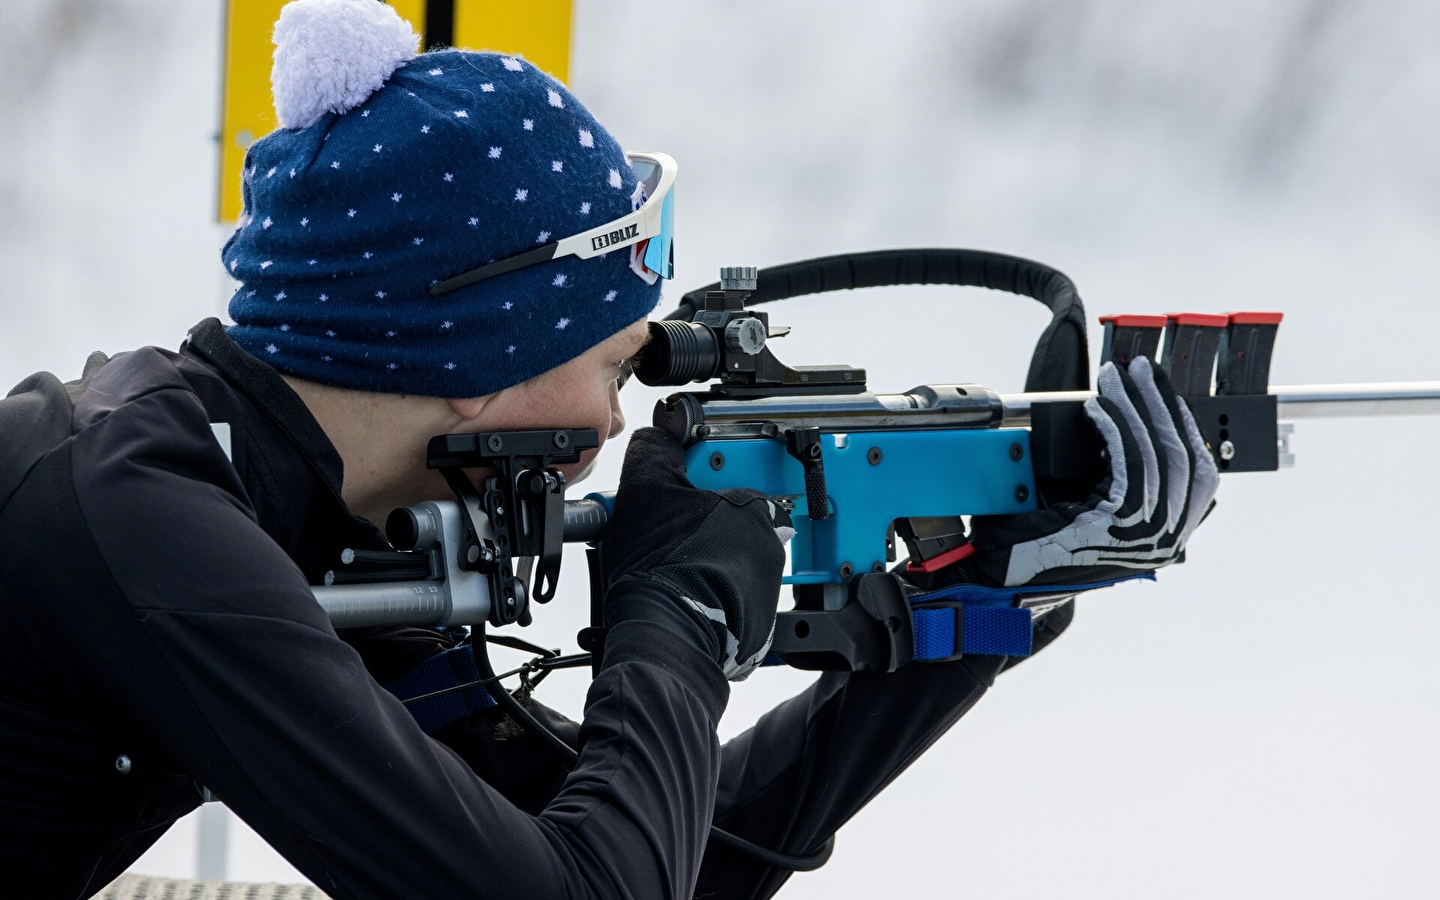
{"points": [[617, 415]]}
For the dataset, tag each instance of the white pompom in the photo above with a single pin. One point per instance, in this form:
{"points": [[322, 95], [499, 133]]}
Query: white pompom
{"points": [[332, 54]]}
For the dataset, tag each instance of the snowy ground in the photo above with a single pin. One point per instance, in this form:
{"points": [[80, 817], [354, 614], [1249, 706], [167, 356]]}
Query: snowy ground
{"points": [[1261, 722]]}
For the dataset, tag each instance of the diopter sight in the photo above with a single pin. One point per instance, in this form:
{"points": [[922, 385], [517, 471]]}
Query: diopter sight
{"points": [[727, 341]]}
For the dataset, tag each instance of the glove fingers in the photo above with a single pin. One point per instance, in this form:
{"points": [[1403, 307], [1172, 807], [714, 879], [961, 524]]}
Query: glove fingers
{"points": [[1070, 534], [1153, 527], [784, 525], [1176, 474], [654, 461], [654, 495], [1161, 481], [1115, 446], [1126, 495], [779, 516], [1206, 479], [1116, 386], [742, 496], [708, 550], [744, 579]]}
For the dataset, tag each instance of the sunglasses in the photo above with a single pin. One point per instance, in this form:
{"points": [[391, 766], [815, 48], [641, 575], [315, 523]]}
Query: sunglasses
{"points": [[649, 228]]}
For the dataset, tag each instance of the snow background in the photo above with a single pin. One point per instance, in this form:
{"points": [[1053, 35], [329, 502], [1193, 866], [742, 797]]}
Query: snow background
{"points": [[1264, 720]]}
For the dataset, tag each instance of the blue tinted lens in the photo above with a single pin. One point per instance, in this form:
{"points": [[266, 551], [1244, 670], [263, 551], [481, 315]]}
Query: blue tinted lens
{"points": [[657, 254], [647, 173]]}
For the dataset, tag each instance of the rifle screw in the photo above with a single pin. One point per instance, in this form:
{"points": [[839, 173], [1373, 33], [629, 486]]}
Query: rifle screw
{"points": [[874, 456], [494, 443], [123, 764], [877, 568], [717, 461], [1227, 451], [846, 570], [1022, 493], [1017, 452], [562, 440]]}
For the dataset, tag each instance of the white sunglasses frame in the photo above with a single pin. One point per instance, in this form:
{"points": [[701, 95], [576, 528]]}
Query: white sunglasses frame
{"points": [[632, 228]]}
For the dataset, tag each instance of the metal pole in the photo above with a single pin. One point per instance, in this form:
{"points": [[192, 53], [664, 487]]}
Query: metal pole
{"points": [[1303, 401], [1330, 401]]}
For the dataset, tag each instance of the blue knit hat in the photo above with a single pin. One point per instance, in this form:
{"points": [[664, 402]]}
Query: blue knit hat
{"points": [[396, 171]]}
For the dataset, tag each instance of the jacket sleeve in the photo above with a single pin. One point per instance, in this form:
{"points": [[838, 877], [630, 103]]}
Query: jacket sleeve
{"points": [[809, 765], [191, 621]]}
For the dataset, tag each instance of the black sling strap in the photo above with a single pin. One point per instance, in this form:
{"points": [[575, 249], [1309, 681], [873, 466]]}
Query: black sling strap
{"points": [[1061, 361]]}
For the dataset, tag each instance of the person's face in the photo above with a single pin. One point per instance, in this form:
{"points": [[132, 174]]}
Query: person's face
{"points": [[582, 393]]}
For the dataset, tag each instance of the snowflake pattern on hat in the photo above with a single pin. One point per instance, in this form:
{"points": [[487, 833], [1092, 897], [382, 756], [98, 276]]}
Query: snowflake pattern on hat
{"points": [[429, 177]]}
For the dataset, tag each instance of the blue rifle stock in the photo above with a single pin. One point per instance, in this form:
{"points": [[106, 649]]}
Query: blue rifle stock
{"points": [[863, 472]]}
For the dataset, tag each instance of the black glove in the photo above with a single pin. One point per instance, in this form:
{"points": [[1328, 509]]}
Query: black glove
{"points": [[718, 556], [1162, 483]]}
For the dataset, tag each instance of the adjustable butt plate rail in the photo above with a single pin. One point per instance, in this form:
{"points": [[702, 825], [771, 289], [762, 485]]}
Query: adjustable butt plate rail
{"points": [[862, 472]]}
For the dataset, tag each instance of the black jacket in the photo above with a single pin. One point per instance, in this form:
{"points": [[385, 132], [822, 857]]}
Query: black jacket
{"points": [[155, 606]]}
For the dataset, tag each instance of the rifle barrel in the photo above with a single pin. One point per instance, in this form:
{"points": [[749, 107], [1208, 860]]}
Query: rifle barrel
{"points": [[1386, 398], [1300, 401]]}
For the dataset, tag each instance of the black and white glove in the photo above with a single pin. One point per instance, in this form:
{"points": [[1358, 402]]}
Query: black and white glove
{"points": [[718, 556], [1161, 484]]}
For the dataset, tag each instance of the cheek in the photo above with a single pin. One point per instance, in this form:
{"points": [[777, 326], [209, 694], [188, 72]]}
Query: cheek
{"points": [[576, 472], [555, 403], [580, 402], [588, 406], [594, 402]]}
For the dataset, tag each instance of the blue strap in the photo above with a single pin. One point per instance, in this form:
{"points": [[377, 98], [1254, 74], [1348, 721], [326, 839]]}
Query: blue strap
{"points": [[446, 669], [985, 630], [985, 618], [989, 630]]}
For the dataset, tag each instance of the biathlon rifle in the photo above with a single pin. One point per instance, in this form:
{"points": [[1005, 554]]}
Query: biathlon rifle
{"points": [[843, 458]]}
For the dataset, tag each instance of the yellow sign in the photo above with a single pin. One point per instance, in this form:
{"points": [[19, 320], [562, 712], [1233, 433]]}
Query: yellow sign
{"points": [[539, 30]]}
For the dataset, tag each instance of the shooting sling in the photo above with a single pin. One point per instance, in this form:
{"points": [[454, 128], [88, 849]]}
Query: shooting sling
{"points": [[1061, 361]]}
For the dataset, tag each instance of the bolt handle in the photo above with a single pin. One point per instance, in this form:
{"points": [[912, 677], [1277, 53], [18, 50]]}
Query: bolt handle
{"points": [[804, 445]]}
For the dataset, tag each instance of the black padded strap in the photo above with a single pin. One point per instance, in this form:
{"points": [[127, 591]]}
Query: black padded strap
{"points": [[1061, 361]]}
